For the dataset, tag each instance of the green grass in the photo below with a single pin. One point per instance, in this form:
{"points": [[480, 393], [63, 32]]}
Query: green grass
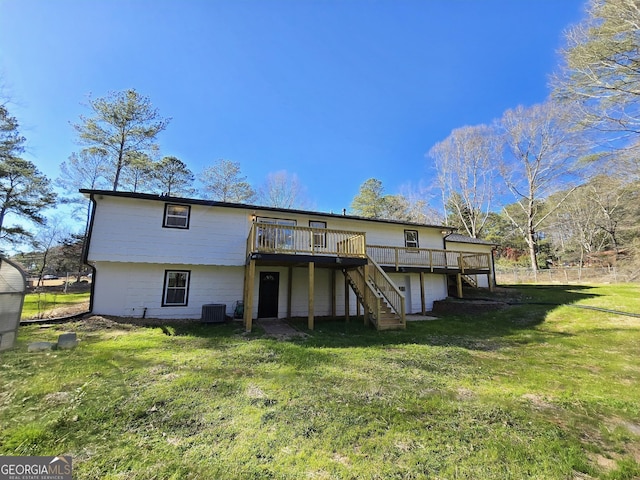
{"points": [[531, 391], [36, 304]]}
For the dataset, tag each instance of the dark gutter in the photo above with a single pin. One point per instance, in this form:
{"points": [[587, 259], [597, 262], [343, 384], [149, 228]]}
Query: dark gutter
{"points": [[85, 251]]}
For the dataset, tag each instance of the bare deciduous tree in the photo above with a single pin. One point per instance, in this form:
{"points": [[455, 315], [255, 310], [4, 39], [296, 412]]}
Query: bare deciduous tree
{"points": [[465, 164], [539, 152], [601, 74], [283, 190]]}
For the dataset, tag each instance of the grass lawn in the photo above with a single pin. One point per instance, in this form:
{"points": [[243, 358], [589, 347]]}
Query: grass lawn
{"points": [[36, 304], [531, 391]]}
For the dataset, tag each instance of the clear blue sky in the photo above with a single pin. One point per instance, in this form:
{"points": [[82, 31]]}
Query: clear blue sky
{"points": [[333, 91]]}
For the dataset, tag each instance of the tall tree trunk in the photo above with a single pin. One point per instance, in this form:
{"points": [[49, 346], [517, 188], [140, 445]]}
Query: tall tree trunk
{"points": [[532, 243]]}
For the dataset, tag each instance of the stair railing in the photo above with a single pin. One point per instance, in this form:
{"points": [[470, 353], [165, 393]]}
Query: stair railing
{"points": [[369, 298], [388, 289]]}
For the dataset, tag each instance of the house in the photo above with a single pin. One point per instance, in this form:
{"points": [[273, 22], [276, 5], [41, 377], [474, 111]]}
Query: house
{"points": [[167, 257]]}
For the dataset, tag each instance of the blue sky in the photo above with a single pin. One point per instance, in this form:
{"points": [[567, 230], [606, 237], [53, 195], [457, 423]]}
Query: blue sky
{"points": [[333, 91]]}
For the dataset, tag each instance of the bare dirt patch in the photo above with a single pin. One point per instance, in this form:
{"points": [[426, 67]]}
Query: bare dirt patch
{"points": [[61, 312]]}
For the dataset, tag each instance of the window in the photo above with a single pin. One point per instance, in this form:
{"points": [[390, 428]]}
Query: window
{"points": [[176, 288], [277, 237], [411, 238], [319, 238], [176, 216]]}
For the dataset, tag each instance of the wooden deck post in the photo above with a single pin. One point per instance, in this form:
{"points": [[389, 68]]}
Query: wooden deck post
{"points": [[346, 299], [311, 294], [289, 290], [248, 304], [333, 292], [423, 304], [492, 274], [459, 284], [365, 303]]}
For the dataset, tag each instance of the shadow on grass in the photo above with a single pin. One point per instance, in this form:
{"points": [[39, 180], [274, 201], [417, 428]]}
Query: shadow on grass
{"points": [[525, 308]]}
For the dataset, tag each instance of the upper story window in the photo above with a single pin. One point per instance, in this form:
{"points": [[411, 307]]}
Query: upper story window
{"points": [[176, 216], [411, 239], [319, 238]]}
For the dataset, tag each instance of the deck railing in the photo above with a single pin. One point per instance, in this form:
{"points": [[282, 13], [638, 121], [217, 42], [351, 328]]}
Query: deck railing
{"points": [[294, 240], [429, 258]]}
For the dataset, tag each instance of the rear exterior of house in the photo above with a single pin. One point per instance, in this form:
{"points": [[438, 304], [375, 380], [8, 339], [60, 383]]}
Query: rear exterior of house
{"points": [[166, 257]]}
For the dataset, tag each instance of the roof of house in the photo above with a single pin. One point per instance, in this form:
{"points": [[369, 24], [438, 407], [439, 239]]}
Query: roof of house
{"points": [[456, 237], [213, 203]]}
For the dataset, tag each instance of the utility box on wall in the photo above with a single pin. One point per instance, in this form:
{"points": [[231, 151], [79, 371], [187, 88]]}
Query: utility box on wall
{"points": [[13, 287], [214, 313]]}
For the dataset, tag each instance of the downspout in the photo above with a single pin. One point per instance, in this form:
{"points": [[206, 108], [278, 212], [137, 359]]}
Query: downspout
{"points": [[85, 252], [446, 233], [493, 265]]}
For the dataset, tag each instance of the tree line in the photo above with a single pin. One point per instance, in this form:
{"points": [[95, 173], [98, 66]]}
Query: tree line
{"points": [[553, 182]]}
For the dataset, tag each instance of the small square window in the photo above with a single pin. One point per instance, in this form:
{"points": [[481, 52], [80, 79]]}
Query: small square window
{"points": [[319, 238], [176, 216], [176, 288], [411, 238]]}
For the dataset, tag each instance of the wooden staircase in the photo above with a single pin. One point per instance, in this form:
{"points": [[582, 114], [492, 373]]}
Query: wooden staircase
{"points": [[471, 281], [381, 299]]}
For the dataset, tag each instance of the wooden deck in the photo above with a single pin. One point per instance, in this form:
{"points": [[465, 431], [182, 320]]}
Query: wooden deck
{"points": [[429, 259], [286, 240], [267, 238], [363, 265]]}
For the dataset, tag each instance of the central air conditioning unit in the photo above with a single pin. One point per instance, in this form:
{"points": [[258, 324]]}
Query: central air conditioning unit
{"points": [[214, 313]]}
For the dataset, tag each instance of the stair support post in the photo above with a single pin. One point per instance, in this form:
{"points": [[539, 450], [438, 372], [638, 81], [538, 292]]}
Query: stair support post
{"points": [[333, 293], [346, 298], [248, 304], [423, 304], [311, 295], [289, 290]]}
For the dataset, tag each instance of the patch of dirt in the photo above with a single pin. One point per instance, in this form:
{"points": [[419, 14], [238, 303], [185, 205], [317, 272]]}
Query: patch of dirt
{"points": [[65, 311], [465, 394], [255, 392], [538, 402], [632, 427], [57, 398], [93, 323], [461, 306], [607, 464]]}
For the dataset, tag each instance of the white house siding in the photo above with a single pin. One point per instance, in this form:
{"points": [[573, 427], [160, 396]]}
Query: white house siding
{"points": [[392, 235], [216, 235], [435, 288], [127, 289]]}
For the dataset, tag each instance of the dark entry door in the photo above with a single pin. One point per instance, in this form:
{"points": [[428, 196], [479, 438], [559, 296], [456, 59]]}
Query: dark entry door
{"points": [[268, 294]]}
